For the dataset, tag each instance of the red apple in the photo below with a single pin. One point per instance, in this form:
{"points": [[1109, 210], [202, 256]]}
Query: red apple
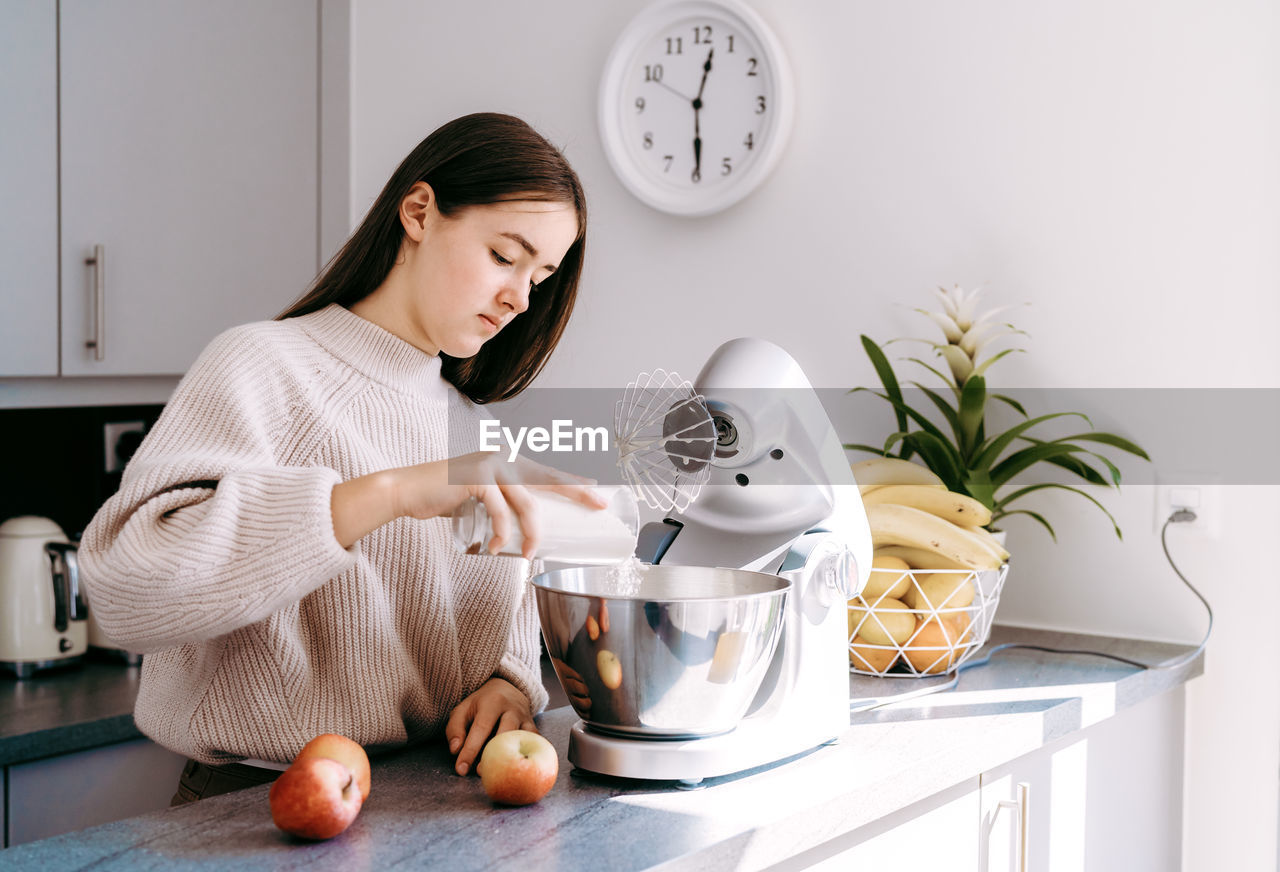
{"points": [[315, 798], [518, 767], [345, 751]]}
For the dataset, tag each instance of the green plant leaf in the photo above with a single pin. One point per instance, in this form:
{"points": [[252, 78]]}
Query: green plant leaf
{"points": [[991, 451], [973, 401], [1021, 492], [1010, 401], [982, 367], [1109, 439], [1023, 458], [1032, 488], [940, 456], [887, 377], [979, 486], [1079, 467], [1037, 516], [1111, 467], [943, 406], [921, 420], [853, 446], [946, 378], [894, 439], [1091, 475]]}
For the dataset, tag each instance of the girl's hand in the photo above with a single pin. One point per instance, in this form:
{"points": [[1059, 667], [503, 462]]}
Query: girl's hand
{"points": [[431, 490], [495, 708]]}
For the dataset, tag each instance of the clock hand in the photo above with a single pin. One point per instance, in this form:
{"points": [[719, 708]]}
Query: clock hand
{"points": [[706, 68], [671, 89], [697, 131], [697, 152]]}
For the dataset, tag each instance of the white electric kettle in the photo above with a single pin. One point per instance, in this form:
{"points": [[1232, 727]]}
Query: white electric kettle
{"points": [[43, 615]]}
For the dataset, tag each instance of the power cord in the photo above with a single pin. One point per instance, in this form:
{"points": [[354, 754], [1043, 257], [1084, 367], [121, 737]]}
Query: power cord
{"points": [[1180, 516]]}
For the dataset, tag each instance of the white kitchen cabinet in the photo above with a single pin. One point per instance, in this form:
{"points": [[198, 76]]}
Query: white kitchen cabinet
{"points": [[940, 832], [185, 148], [73, 791], [1136, 778], [1108, 799], [28, 188], [189, 153]]}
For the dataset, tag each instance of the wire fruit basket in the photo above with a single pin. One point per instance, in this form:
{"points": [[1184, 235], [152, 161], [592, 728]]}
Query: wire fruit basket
{"points": [[925, 623]]}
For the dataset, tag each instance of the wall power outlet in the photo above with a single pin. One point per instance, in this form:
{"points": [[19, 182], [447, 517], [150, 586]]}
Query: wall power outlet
{"points": [[1197, 492], [111, 436]]}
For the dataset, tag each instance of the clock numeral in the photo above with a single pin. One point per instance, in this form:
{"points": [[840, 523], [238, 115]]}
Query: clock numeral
{"points": [[750, 141], [730, 43], [675, 45], [648, 141], [751, 67], [725, 167], [653, 72], [667, 159], [701, 34], [639, 104], [760, 105]]}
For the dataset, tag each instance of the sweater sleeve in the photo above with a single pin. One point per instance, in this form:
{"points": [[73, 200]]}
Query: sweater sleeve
{"points": [[212, 528], [521, 663]]}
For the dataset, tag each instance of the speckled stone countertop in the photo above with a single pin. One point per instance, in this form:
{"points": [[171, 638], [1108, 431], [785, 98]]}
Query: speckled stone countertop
{"points": [[421, 816], [64, 710]]}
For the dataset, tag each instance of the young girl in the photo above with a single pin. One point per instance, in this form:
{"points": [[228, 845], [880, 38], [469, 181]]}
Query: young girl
{"points": [[279, 547]]}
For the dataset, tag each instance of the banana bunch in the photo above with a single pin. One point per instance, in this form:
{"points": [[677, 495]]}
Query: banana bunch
{"points": [[915, 518]]}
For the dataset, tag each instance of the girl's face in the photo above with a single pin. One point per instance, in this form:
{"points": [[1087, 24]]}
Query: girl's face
{"points": [[461, 279]]}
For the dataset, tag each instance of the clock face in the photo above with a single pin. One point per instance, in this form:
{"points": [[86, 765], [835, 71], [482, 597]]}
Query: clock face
{"points": [[695, 105]]}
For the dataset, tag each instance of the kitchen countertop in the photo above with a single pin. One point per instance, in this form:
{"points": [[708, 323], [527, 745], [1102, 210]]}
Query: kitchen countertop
{"points": [[85, 706], [68, 709], [420, 815]]}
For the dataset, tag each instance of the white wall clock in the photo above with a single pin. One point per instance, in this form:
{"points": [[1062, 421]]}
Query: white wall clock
{"points": [[695, 105]]}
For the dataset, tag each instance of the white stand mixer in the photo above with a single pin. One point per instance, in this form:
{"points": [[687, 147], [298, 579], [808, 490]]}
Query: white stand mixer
{"points": [[781, 499]]}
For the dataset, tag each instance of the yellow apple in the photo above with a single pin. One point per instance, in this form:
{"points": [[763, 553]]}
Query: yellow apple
{"points": [[871, 658], [518, 767], [890, 576], [888, 623]]}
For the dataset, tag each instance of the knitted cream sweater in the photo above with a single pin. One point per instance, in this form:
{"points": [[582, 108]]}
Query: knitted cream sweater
{"points": [[217, 556]]}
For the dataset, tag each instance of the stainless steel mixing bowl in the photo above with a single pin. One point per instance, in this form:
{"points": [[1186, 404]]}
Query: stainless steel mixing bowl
{"points": [[680, 655]]}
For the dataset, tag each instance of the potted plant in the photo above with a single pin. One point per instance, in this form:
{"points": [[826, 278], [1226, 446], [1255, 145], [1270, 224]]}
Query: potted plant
{"points": [[964, 450]]}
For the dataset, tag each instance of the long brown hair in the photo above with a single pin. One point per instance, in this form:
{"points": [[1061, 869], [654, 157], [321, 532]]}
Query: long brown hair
{"points": [[471, 161]]}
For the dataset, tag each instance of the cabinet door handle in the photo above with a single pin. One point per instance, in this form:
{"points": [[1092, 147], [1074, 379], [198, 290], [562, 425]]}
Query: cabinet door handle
{"points": [[1024, 825], [1022, 807], [99, 341]]}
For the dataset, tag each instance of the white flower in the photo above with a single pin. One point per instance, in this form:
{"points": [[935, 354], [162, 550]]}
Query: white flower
{"points": [[966, 335]]}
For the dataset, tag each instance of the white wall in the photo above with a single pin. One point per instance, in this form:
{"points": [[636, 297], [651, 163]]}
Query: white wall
{"points": [[1113, 163]]}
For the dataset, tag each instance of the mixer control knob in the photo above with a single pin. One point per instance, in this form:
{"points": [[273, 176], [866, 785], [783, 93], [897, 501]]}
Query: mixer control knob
{"points": [[836, 576], [64, 644], [845, 574]]}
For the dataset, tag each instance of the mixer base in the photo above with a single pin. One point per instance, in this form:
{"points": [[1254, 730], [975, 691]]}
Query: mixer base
{"points": [[753, 743]]}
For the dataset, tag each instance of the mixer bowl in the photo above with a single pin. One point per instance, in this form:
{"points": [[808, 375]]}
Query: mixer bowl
{"points": [[680, 654]]}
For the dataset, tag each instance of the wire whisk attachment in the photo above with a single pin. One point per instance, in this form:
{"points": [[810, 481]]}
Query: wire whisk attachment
{"points": [[665, 439]]}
